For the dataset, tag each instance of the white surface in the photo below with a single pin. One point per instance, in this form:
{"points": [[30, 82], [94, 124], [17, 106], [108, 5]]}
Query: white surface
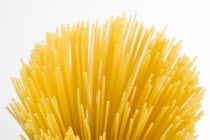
{"points": [[22, 23]]}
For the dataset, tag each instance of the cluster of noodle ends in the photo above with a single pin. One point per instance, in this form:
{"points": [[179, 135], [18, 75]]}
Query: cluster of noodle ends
{"points": [[115, 81]]}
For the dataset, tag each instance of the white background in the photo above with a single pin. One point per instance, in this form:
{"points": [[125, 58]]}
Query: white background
{"points": [[22, 23]]}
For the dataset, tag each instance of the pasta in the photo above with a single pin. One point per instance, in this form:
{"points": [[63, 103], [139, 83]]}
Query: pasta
{"points": [[115, 81]]}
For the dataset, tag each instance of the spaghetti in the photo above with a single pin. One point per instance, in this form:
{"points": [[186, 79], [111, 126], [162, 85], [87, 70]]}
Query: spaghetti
{"points": [[114, 81]]}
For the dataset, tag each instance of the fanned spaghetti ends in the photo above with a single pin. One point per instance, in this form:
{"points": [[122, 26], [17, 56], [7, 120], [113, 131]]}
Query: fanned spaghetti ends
{"points": [[111, 81]]}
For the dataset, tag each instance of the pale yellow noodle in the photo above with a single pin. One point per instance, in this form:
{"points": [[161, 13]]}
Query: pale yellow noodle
{"points": [[114, 81]]}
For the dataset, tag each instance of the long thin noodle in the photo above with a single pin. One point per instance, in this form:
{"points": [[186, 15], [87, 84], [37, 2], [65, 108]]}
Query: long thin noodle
{"points": [[114, 81]]}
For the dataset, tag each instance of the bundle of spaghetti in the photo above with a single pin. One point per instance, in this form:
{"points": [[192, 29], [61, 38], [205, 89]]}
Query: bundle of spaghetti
{"points": [[113, 81]]}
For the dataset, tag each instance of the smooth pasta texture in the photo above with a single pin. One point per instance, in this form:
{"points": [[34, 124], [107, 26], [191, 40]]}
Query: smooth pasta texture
{"points": [[115, 81]]}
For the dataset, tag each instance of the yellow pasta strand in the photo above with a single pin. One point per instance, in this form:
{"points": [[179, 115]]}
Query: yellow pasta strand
{"points": [[114, 81]]}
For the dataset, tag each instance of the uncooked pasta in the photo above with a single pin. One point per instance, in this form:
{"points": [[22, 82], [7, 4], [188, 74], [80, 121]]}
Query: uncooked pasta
{"points": [[118, 80]]}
